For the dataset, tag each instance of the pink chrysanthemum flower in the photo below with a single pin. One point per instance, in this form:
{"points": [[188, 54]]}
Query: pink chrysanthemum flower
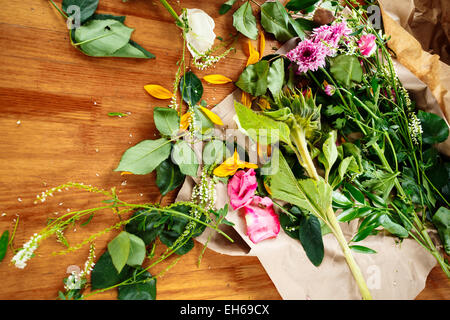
{"points": [[331, 35], [308, 55]]}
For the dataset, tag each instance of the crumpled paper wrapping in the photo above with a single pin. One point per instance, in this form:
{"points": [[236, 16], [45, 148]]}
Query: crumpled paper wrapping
{"points": [[396, 271], [400, 16]]}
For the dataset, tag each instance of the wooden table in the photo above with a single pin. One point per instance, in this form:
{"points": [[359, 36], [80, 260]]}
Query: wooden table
{"points": [[55, 129]]}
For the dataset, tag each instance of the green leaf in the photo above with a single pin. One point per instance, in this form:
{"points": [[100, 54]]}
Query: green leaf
{"points": [[4, 239], [119, 249], [225, 7], [441, 220], [132, 50], [126, 249], [185, 158], [393, 227], [100, 16], [298, 27], [355, 193], [144, 290], [168, 177], [147, 54], [350, 149], [279, 115], [308, 194], [330, 153], [275, 78], [298, 5], [117, 114], [289, 225], [346, 165], [144, 157], [362, 249], [310, 236], [105, 275], [364, 233], [102, 37], [146, 224], [215, 151], [137, 250], [169, 237], [346, 69], [191, 88], [167, 121], [381, 184], [435, 129], [254, 78], [260, 127], [353, 213], [275, 20], [87, 8], [202, 123], [245, 22], [340, 200]]}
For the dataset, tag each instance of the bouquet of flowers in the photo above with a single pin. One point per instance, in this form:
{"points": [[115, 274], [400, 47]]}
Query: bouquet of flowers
{"points": [[327, 134]]}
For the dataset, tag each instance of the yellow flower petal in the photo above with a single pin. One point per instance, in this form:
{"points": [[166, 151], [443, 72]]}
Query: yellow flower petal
{"points": [[125, 172], [262, 44], [231, 165], [158, 91], [264, 104], [267, 188], [212, 116], [246, 99], [249, 165], [216, 79], [253, 55], [253, 58], [184, 121]]}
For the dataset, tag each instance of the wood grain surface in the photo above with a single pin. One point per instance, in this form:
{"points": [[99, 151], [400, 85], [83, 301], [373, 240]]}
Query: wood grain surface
{"points": [[54, 104]]}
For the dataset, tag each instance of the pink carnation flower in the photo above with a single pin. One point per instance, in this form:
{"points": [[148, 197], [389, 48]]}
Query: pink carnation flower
{"points": [[262, 221], [241, 188], [367, 45], [308, 55]]}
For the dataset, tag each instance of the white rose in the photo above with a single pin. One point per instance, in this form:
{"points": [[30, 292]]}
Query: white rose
{"points": [[201, 35]]}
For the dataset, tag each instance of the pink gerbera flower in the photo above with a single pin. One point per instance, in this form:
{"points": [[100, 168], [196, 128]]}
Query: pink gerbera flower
{"points": [[308, 55]]}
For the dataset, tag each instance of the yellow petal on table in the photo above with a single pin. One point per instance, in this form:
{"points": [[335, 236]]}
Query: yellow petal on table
{"points": [[212, 116], [253, 55], [184, 121], [216, 79], [262, 44], [246, 99], [158, 91], [125, 172], [231, 165]]}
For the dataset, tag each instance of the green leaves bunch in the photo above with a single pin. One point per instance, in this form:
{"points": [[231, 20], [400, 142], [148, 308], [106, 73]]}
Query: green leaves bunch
{"points": [[274, 19], [99, 35]]}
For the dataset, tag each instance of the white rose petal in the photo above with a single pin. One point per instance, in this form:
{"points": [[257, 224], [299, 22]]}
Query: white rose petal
{"points": [[201, 35]]}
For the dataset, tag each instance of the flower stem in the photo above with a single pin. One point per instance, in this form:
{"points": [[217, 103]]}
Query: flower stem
{"points": [[300, 141], [59, 10], [354, 268], [169, 8]]}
